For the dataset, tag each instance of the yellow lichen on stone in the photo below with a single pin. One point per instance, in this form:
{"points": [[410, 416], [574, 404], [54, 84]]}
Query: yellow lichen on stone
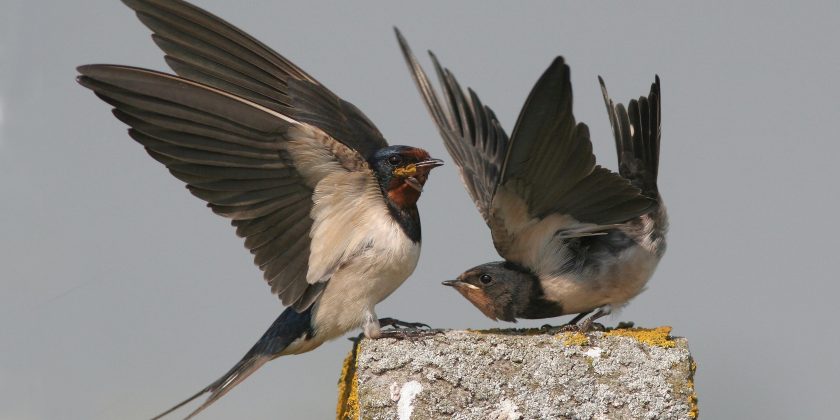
{"points": [[348, 390], [575, 339], [659, 337], [692, 400]]}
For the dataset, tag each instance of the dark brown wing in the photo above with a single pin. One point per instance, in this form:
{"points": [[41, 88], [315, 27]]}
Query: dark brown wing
{"points": [[541, 185], [471, 133], [551, 164], [202, 47], [551, 187], [232, 153], [637, 134]]}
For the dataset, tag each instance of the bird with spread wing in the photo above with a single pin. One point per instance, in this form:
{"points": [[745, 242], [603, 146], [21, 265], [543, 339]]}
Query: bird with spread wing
{"points": [[576, 238], [325, 205]]}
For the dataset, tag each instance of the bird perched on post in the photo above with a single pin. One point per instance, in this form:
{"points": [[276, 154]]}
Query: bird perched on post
{"points": [[326, 207], [576, 237]]}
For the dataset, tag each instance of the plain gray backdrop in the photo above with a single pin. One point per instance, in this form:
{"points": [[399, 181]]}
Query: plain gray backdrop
{"points": [[121, 294]]}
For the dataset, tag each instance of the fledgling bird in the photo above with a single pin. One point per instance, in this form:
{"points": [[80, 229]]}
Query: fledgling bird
{"points": [[576, 237], [326, 206]]}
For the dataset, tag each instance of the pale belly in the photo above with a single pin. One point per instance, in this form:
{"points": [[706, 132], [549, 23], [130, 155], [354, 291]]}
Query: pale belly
{"points": [[356, 288], [614, 285]]}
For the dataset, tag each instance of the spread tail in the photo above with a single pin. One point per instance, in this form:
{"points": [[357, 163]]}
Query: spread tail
{"points": [[287, 328], [637, 132]]}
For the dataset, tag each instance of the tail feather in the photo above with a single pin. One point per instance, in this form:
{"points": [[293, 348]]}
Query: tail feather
{"points": [[287, 328], [636, 129]]}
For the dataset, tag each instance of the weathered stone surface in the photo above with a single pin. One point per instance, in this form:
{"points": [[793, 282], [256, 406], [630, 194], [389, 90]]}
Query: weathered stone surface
{"points": [[515, 374]]}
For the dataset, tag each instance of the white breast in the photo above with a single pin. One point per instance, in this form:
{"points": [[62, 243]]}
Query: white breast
{"points": [[382, 260]]}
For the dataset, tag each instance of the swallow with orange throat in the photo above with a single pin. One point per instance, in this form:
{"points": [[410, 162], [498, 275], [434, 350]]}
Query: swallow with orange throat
{"points": [[327, 208]]}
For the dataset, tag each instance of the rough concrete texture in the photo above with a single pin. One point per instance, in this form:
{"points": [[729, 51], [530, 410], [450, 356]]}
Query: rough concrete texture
{"points": [[517, 374]]}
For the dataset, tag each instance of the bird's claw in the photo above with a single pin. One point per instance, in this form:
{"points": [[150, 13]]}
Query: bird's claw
{"points": [[583, 327], [396, 324]]}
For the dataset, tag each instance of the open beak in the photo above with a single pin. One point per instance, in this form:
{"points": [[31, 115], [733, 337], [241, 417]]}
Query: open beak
{"points": [[429, 163], [458, 284], [426, 165]]}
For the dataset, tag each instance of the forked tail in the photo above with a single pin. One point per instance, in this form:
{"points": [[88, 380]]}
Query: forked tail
{"points": [[287, 328], [637, 132]]}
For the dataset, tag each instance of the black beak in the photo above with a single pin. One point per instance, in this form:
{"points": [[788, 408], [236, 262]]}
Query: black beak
{"points": [[451, 283], [429, 163]]}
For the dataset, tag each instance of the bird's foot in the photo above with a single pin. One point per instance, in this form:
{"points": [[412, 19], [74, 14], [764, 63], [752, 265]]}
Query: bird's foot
{"points": [[401, 330], [583, 327], [396, 324], [553, 329]]}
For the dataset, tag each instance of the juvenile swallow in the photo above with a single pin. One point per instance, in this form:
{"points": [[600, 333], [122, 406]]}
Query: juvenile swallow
{"points": [[576, 238], [325, 205]]}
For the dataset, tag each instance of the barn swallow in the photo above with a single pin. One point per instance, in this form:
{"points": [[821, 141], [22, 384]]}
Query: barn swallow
{"points": [[576, 238], [325, 205]]}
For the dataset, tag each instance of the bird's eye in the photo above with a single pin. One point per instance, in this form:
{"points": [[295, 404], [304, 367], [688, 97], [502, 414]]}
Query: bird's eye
{"points": [[395, 159], [485, 279]]}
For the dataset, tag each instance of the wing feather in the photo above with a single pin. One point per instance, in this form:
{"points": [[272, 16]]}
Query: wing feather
{"points": [[234, 154], [470, 130], [542, 183], [202, 47]]}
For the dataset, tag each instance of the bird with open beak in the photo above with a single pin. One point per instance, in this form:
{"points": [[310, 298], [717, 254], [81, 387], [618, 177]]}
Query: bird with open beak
{"points": [[325, 205], [576, 238]]}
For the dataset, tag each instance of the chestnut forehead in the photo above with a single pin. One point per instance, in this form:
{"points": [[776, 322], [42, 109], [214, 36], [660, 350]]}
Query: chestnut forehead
{"points": [[415, 153]]}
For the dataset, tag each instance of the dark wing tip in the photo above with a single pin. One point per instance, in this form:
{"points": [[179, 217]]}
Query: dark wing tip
{"points": [[90, 69], [557, 71], [558, 66], [558, 61]]}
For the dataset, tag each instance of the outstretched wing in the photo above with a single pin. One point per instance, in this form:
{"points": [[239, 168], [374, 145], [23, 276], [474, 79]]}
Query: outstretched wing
{"points": [[471, 133], [550, 187], [542, 185], [202, 47], [250, 163], [636, 129]]}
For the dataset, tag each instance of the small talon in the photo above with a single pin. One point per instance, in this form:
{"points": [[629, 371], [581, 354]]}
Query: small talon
{"points": [[396, 324], [570, 328]]}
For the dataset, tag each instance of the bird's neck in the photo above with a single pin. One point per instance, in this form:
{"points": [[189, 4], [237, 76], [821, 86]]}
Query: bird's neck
{"points": [[532, 303], [402, 205]]}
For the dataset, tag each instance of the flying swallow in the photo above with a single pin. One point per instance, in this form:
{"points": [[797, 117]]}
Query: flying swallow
{"points": [[576, 238], [325, 205]]}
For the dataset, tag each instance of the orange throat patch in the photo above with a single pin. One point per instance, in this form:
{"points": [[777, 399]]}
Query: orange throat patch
{"points": [[402, 194], [480, 299]]}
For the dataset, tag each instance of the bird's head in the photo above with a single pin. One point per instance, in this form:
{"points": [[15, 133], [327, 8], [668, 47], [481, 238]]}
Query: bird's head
{"points": [[402, 171], [499, 289]]}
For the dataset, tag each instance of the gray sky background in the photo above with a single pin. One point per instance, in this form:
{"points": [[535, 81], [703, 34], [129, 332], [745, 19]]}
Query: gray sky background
{"points": [[120, 294]]}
